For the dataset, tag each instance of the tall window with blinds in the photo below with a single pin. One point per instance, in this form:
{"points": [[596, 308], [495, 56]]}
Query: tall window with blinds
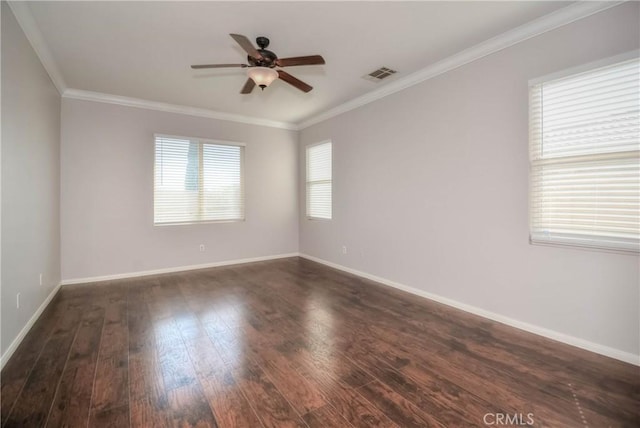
{"points": [[319, 181], [197, 181], [585, 158]]}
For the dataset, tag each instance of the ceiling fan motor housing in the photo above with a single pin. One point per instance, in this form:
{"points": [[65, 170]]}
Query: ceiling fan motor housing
{"points": [[268, 57]]}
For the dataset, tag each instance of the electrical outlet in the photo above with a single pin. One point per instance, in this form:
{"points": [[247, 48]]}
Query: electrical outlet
{"points": [[40, 279], [201, 247], [18, 300], [344, 249]]}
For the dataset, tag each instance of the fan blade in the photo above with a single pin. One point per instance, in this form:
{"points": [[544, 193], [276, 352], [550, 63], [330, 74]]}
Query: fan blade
{"points": [[199, 66], [247, 46], [248, 86], [300, 60], [294, 82]]}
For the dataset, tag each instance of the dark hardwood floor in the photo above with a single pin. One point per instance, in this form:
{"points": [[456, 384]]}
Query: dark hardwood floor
{"points": [[294, 343]]}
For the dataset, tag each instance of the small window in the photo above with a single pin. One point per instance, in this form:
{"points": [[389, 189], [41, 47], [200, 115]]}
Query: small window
{"points": [[197, 181], [319, 181], [585, 158]]}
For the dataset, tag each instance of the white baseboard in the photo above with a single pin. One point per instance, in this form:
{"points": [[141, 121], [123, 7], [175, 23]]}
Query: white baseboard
{"points": [[174, 269], [541, 331], [627, 357], [16, 342]]}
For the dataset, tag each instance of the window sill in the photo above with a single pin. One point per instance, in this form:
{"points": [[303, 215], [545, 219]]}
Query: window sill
{"points": [[567, 246], [190, 223]]}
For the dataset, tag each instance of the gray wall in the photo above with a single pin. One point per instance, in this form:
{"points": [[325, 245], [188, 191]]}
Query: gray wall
{"points": [[30, 180], [107, 193], [431, 191]]}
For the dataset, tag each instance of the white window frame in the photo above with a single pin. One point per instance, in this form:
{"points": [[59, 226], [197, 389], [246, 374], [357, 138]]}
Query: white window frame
{"points": [[308, 182], [200, 142], [536, 240]]}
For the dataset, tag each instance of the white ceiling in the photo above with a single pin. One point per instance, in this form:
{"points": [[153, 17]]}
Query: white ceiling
{"points": [[144, 49]]}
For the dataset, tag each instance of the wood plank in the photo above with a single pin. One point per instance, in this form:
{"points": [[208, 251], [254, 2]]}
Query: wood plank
{"points": [[493, 385], [347, 402], [35, 400], [323, 359], [17, 369], [175, 365], [140, 327], [232, 348], [115, 340], [229, 405], [298, 391], [324, 417], [145, 376], [189, 325], [150, 411], [87, 342], [206, 360], [189, 408], [166, 332], [358, 411], [434, 394], [116, 417], [111, 385], [71, 405], [397, 408], [271, 407]]}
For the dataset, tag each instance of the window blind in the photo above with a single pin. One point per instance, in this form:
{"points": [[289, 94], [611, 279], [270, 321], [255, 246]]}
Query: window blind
{"points": [[197, 181], [319, 181], [585, 158]]}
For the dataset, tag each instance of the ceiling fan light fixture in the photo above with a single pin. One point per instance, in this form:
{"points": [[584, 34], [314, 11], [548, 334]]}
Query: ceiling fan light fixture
{"points": [[263, 76]]}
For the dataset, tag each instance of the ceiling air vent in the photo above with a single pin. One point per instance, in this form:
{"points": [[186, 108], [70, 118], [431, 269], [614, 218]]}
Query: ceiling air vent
{"points": [[379, 74]]}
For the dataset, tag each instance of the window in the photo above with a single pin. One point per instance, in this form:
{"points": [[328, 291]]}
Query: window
{"points": [[585, 158], [319, 181], [197, 181]]}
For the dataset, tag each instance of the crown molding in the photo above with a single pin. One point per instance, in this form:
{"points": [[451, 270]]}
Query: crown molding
{"points": [[559, 18], [23, 15], [25, 19], [78, 94]]}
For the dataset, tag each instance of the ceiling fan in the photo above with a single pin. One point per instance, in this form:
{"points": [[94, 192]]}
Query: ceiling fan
{"points": [[262, 62]]}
